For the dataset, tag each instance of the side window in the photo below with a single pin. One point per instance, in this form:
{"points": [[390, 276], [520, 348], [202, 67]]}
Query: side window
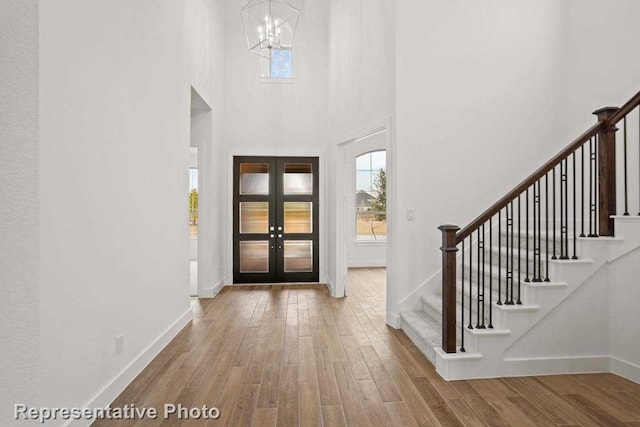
{"points": [[371, 196], [193, 203]]}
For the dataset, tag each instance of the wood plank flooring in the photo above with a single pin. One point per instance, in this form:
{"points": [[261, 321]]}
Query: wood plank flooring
{"points": [[292, 355]]}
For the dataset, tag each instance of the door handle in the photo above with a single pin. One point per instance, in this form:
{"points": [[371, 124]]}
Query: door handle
{"points": [[279, 236], [272, 236], [279, 228]]}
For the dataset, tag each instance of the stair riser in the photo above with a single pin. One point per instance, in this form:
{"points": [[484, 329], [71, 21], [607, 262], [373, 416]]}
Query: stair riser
{"points": [[529, 240], [493, 297], [436, 313], [503, 259], [495, 274], [427, 350]]}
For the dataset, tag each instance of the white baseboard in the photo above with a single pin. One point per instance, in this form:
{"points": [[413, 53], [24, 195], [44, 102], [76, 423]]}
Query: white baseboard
{"points": [[556, 365], [331, 288], [212, 291], [124, 378], [625, 369], [394, 321], [465, 368]]}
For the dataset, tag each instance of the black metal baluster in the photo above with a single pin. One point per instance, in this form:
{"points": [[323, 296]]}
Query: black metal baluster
{"points": [[535, 230], [566, 209], [575, 225], [491, 273], [539, 249], [499, 257], [638, 160], [462, 305], [562, 206], [506, 281], [526, 214], [582, 192], [511, 263], [470, 281], [536, 199], [596, 182], [519, 254], [480, 324], [626, 187], [478, 268], [546, 210], [591, 188], [554, 212], [537, 244]]}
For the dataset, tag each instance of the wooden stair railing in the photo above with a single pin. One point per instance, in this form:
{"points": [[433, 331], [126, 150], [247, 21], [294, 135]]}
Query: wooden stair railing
{"points": [[556, 187]]}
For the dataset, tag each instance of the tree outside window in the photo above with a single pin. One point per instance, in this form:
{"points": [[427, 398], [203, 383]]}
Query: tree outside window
{"points": [[193, 203]]}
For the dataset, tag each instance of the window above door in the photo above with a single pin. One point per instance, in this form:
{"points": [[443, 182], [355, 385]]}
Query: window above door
{"points": [[278, 68]]}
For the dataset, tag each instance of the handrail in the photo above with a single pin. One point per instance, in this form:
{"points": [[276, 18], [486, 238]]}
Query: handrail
{"points": [[625, 109], [528, 182]]}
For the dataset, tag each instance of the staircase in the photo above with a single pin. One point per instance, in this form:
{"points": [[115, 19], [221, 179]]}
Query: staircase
{"points": [[532, 258]]}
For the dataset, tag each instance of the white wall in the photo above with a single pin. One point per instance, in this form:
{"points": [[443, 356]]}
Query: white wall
{"points": [[19, 293], [271, 119], [598, 321], [361, 63], [208, 54], [361, 88], [624, 318], [271, 116], [481, 101], [203, 22], [115, 90], [603, 67], [577, 328]]}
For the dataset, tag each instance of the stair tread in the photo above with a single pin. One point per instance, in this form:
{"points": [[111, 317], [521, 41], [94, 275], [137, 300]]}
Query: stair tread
{"points": [[424, 331], [502, 271], [426, 326], [523, 250], [434, 303], [543, 234]]}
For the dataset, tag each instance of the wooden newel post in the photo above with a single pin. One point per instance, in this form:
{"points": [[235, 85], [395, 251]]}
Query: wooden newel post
{"points": [[606, 172], [449, 249]]}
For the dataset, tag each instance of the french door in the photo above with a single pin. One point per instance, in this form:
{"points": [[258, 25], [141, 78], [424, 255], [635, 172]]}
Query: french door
{"points": [[275, 219]]}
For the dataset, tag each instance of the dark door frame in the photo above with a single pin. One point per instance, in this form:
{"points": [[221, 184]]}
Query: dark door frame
{"points": [[275, 236]]}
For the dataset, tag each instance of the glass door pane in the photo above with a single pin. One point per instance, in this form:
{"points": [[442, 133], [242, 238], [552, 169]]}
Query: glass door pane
{"points": [[254, 257], [298, 217], [254, 217], [298, 256], [254, 178], [298, 178]]}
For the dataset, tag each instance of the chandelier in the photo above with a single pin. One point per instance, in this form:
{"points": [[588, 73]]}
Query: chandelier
{"points": [[269, 24]]}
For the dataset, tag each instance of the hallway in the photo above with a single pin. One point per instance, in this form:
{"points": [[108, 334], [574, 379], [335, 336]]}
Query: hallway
{"points": [[292, 355]]}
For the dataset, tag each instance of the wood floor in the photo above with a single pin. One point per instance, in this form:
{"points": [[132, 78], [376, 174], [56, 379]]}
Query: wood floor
{"points": [[287, 356]]}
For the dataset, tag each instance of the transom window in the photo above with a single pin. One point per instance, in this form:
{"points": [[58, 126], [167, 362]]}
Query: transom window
{"points": [[371, 196], [280, 66]]}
